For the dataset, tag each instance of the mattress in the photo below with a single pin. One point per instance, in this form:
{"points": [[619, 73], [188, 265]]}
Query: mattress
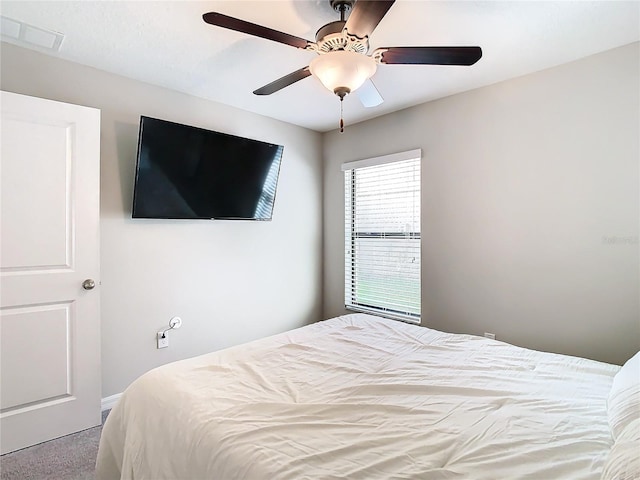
{"points": [[362, 397]]}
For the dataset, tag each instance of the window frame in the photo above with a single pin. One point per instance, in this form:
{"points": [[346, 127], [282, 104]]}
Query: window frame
{"points": [[351, 236]]}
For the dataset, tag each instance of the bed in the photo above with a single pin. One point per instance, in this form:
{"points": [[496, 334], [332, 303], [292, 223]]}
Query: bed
{"points": [[362, 397]]}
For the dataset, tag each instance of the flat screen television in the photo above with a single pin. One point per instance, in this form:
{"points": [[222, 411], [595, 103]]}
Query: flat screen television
{"points": [[185, 172]]}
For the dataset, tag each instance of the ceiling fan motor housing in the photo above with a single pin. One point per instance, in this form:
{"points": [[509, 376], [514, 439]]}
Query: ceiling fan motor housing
{"points": [[333, 36]]}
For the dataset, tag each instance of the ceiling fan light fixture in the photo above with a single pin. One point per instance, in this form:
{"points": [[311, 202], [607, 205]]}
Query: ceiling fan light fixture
{"points": [[342, 71]]}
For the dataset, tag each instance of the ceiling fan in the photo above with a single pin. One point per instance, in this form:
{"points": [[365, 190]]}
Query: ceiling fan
{"points": [[343, 63]]}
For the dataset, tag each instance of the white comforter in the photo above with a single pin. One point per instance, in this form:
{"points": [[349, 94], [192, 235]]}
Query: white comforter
{"points": [[359, 397]]}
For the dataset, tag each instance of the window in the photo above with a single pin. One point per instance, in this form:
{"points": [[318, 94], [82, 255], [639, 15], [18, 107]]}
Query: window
{"points": [[382, 235]]}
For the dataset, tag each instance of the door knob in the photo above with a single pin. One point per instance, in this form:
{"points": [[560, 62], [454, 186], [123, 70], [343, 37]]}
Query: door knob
{"points": [[88, 284]]}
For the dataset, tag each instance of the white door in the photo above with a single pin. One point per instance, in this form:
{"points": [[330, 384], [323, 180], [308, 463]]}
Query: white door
{"points": [[49, 233]]}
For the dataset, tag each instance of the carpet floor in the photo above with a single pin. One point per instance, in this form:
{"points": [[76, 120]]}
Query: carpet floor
{"points": [[72, 457]]}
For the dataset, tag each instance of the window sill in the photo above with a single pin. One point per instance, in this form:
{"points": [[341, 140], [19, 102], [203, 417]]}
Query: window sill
{"points": [[383, 313]]}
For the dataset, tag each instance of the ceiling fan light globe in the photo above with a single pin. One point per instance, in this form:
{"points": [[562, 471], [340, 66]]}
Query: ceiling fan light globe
{"points": [[342, 70]]}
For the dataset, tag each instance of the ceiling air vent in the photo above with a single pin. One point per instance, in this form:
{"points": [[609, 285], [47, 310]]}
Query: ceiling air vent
{"points": [[27, 35]]}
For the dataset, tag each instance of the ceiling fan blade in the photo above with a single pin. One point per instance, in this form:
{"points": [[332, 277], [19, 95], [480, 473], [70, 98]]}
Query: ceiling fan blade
{"points": [[285, 81], [369, 95], [430, 55], [366, 16], [220, 20]]}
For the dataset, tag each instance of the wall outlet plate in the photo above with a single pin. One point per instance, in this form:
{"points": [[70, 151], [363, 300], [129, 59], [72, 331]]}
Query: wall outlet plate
{"points": [[492, 336], [163, 342]]}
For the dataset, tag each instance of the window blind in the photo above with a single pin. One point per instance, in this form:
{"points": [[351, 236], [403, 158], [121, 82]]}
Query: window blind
{"points": [[382, 235]]}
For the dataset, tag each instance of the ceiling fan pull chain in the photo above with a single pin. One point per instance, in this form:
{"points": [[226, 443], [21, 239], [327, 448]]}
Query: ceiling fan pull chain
{"points": [[341, 116]]}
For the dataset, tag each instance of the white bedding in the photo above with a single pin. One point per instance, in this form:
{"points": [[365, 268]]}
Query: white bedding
{"points": [[361, 397]]}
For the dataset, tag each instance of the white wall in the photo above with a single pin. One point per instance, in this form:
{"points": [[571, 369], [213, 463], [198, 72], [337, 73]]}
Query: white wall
{"points": [[230, 281], [530, 206]]}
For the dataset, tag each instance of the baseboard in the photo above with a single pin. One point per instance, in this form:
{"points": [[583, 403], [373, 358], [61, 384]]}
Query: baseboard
{"points": [[109, 402]]}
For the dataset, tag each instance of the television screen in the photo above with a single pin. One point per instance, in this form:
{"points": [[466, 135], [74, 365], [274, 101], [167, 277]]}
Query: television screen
{"points": [[189, 172]]}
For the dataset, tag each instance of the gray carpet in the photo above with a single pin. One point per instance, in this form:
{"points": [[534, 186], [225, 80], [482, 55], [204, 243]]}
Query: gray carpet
{"points": [[67, 458]]}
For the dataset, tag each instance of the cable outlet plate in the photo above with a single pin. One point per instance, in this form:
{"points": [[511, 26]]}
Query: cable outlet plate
{"points": [[163, 341]]}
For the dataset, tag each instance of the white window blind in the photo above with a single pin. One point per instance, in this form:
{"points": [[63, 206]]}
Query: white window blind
{"points": [[382, 235]]}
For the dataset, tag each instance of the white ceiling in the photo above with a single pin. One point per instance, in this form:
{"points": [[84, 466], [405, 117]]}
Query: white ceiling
{"points": [[168, 44]]}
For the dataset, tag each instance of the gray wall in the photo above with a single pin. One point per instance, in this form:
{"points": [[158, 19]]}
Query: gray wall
{"points": [[229, 281], [530, 206], [530, 215]]}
